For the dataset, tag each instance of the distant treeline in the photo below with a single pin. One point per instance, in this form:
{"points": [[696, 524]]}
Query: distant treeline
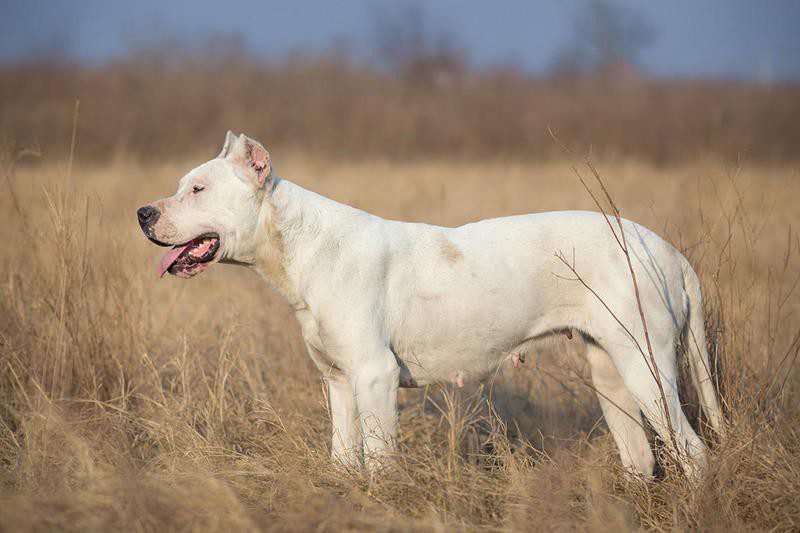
{"points": [[151, 107]]}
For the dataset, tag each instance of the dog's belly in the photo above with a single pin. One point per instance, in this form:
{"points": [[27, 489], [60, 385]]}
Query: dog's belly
{"points": [[417, 370], [435, 346]]}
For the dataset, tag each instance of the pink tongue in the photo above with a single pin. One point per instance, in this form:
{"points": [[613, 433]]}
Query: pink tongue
{"points": [[168, 259]]}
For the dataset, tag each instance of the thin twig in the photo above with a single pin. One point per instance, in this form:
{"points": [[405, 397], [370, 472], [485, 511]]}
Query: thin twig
{"points": [[639, 305], [623, 245]]}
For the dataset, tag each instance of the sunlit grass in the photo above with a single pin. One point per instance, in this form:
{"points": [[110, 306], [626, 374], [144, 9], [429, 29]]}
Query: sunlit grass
{"points": [[128, 402]]}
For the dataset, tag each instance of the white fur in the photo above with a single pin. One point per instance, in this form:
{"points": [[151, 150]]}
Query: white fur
{"points": [[384, 304]]}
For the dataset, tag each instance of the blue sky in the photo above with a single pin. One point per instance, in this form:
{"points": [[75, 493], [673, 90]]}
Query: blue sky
{"points": [[719, 38]]}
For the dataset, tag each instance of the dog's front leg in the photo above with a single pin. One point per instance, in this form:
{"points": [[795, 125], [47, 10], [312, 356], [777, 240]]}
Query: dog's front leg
{"points": [[376, 382], [346, 439]]}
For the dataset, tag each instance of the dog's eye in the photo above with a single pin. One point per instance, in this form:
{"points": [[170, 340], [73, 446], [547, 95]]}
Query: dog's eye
{"points": [[197, 188]]}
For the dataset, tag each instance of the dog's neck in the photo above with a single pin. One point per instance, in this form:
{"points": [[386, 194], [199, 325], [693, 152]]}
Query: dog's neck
{"points": [[294, 226]]}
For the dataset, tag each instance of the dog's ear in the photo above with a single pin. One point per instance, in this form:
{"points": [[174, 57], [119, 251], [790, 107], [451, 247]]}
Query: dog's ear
{"points": [[252, 158], [230, 140]]}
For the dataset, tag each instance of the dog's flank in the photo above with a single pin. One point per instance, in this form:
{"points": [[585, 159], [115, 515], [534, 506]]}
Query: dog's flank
{"points": [[384, 303]]}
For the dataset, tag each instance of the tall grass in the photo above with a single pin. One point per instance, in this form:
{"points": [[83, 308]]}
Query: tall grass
{"points": [[127, 402], [333, 106]]}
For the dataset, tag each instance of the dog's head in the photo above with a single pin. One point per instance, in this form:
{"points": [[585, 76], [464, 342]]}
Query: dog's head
{"points": [[214, 214]]}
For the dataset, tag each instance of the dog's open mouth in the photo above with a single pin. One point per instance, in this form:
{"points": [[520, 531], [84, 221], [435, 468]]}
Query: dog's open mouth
{"points": [[188, 259]]}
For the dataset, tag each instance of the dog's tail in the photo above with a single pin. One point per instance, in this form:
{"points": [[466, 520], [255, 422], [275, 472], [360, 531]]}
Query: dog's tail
{"points": [[696, 350]]}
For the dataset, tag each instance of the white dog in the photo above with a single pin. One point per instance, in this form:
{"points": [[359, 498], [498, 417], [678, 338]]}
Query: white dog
{"points": [[385, 304]]}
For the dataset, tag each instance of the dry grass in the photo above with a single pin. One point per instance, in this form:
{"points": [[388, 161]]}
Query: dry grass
{"points": [[127, 402], [331, 105]]}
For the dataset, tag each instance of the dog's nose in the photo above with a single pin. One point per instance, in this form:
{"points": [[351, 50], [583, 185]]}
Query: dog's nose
{"points": [[147, 216]]}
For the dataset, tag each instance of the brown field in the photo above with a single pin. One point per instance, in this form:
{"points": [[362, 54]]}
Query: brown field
{"points": [[132, 403], [156, 106]]}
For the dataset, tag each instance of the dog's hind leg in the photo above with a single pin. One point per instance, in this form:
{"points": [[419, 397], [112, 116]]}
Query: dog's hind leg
{"points": [[676, 432], [621, 413]]}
